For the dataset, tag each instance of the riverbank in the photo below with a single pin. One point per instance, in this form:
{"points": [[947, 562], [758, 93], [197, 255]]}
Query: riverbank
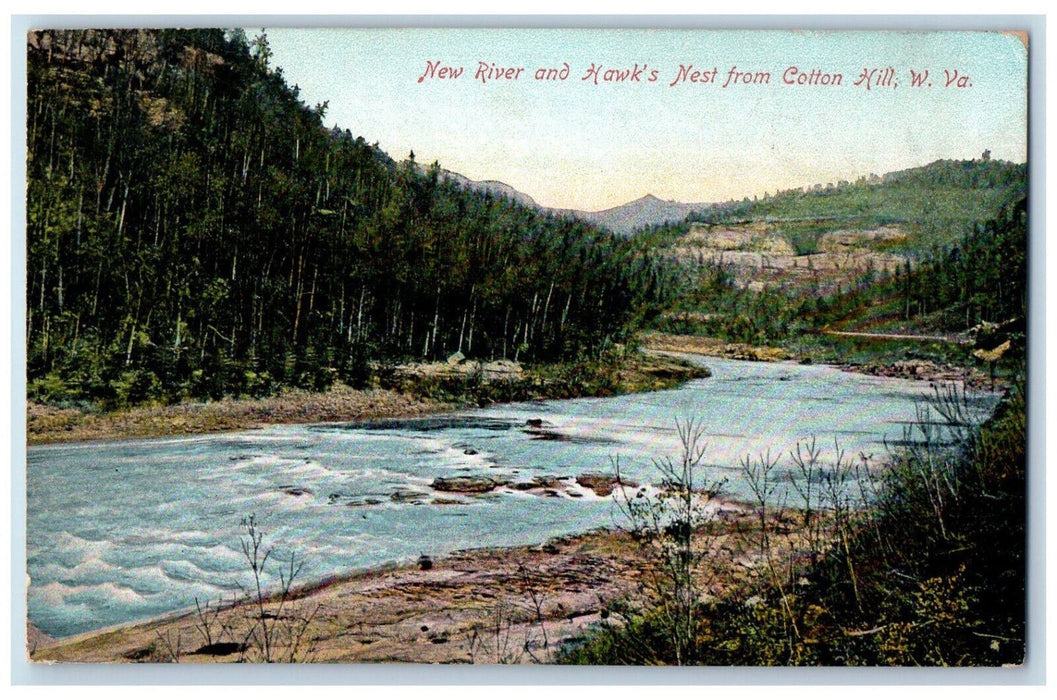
{"points": [[712, 347], [919, 370], [404, 391], [416, 389], [507, 605], [47, 424], [514, 603], [933, 574]]}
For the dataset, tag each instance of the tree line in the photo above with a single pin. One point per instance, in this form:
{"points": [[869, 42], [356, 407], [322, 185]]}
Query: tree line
{"points": [[195, 230]]}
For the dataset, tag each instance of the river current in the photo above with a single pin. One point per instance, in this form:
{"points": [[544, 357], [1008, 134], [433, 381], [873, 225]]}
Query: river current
{"points": [[125, 530]]}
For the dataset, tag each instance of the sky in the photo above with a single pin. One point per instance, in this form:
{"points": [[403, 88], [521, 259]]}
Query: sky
{"points": [[577, 144]]}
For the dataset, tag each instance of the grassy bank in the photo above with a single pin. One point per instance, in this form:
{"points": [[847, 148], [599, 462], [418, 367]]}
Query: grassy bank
{"points": [[397, 392]]}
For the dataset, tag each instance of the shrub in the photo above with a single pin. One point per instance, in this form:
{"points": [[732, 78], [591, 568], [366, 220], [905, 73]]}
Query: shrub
{"points": [[278, 630], [674, 529], [925, 566]]}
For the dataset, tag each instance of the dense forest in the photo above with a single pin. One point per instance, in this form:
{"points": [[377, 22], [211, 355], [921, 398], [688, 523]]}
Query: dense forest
{"points": [[195, 230]]}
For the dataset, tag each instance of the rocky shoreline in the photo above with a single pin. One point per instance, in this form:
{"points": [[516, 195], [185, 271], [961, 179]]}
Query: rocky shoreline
{"points": [[925, 370], [710, 347], [921, 370], [503, 605]]}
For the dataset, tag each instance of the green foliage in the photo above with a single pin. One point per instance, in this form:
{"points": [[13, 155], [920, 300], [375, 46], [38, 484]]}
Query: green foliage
{"points": [[190, 219], [965, 252], [677, 536], [804, 242], [135, 386], [50, 388], [936, 202], [932, 572], [641, 638], [354, 367], [981, 277], [738, 314]]}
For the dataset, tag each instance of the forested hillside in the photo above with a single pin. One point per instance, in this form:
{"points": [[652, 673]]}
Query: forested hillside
{"points": [[935, 203], [937, 249], [195, 230]]}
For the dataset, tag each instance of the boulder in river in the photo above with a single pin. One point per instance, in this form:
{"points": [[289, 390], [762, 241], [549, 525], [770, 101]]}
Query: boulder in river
{"points": [[407, 496], [603, 484], [468, 484], [549, 481]]}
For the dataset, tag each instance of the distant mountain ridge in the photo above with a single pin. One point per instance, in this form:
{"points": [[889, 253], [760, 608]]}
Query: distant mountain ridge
{"points": [[644, 211], [623, 220], [500, 189], [884, 197]]}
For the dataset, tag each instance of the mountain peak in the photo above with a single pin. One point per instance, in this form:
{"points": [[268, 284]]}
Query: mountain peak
{"points": [[647, 210]]}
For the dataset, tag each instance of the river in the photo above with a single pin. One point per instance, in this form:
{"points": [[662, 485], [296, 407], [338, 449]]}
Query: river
{"points": [[120, 531]]}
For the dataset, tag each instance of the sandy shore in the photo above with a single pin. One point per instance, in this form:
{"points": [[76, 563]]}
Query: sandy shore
{"points": [[511, 605], [46, 424], [711, 347]]}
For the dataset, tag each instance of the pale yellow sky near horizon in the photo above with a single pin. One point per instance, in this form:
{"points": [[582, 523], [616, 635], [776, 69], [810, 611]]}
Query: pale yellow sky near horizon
{"points": [[587, 144]]}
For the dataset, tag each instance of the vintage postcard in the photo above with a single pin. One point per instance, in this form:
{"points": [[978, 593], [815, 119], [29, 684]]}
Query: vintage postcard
{"points": [[604, 346]]}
